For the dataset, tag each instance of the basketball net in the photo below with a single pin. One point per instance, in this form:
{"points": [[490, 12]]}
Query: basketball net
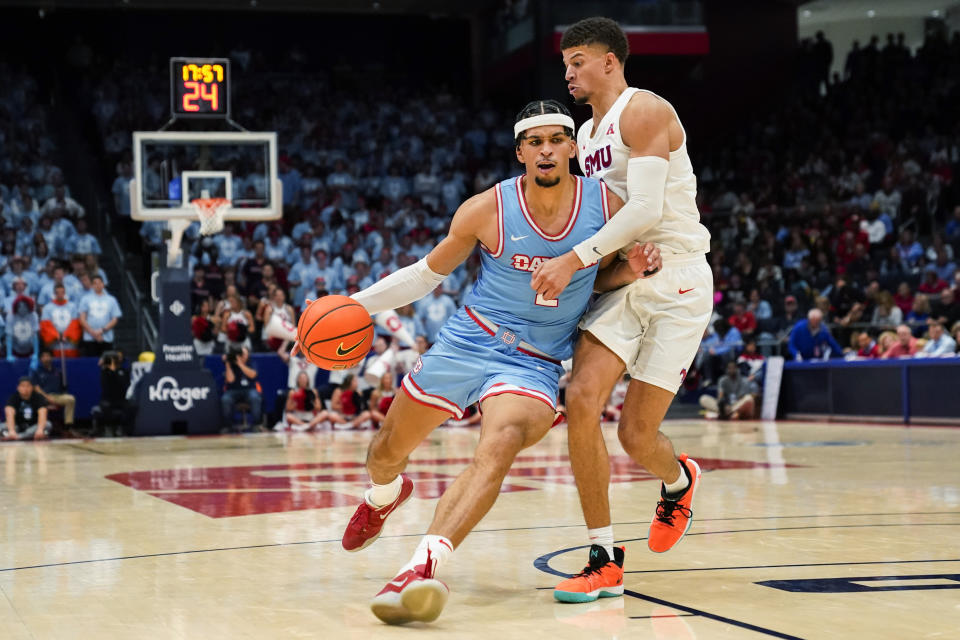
{"points": [[210, 211]]}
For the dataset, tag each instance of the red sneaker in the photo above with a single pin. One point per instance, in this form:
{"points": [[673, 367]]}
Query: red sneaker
{"points": [[413, 596], [367, 522], [674, 517]]}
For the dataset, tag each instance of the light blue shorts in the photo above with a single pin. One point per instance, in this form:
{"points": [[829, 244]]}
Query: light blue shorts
{"points": [[468, 365]]}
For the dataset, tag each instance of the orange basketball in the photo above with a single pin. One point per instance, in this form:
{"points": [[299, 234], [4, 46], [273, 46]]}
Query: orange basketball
{"points": [[335, 332]]}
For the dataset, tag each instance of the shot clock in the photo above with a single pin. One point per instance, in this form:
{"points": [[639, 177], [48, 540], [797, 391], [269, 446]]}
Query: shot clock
{"points": [[200, 87]]}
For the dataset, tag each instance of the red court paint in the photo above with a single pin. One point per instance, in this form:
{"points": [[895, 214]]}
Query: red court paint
{"points": [[226, 492]]}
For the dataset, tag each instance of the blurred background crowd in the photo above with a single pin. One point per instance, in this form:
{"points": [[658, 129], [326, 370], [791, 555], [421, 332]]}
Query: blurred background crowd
{"points": [[834, 210]]}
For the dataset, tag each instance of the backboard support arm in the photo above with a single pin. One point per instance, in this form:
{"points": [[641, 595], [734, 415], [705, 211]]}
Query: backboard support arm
{"points": [[176, 226]]}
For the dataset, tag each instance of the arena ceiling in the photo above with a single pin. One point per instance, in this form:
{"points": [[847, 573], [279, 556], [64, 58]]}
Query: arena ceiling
{"points": [[416, 7], [823, 11]]}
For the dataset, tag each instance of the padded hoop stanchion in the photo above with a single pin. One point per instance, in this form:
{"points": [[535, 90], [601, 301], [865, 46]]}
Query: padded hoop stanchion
{"points": [[176, 226]]}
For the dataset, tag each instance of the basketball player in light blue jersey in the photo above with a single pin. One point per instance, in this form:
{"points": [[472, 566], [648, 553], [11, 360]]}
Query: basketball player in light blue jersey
{"points": [[502, 348]]}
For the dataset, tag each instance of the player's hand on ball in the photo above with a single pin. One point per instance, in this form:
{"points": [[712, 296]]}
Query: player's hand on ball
{"points": [[645, 260], [550, 278]]}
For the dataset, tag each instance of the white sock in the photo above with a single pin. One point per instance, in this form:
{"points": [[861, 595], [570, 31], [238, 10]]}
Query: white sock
{"points": [[379, 495], [603, 536], [439, 549], [679, 485]]}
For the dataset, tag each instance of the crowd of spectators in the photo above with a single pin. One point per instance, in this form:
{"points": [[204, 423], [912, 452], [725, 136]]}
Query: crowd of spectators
{"points": [[835, 219], [370, 180], [51, 287]]}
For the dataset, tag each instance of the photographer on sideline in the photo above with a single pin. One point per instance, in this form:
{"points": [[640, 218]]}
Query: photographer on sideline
{"points": [[49, 383], [26, 411], [240, 385], [736, 396], [109, 416]]}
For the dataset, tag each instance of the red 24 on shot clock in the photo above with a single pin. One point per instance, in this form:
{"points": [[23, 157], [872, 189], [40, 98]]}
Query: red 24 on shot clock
{"points": [[200, 87]]}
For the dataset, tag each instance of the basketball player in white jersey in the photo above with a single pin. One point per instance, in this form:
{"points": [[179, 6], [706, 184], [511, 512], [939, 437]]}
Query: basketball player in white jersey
{"points": [[635, 143]]}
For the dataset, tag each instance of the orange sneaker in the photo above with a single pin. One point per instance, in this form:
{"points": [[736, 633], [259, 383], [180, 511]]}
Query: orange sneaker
{"points": [[674, 516], [602, 578]]}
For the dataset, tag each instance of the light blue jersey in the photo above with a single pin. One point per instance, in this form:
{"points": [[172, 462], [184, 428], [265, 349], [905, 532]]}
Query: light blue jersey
{"points": [[502, 291], [505, 339]]}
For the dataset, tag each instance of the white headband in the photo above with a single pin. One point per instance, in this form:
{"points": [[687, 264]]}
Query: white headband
{"points": [[541, 120]]}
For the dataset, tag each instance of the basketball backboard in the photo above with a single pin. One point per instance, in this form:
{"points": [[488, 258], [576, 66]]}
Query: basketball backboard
{"points": [[172, 168]]}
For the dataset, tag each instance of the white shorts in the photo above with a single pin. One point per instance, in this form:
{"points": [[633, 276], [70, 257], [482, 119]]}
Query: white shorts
{"points": [[655, 325], [303, 416]]}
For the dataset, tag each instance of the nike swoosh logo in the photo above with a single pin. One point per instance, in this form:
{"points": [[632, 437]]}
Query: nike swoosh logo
{"points": [[597, 251], [398, 583], [345, 352], [515, 238], [683, 291]]}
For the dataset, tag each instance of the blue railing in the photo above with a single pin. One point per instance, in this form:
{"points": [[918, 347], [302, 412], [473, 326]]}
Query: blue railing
{"points": [[83, 378], [907, 390]]}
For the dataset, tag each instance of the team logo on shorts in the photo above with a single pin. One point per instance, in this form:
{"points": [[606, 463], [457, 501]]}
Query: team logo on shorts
{"points": [[508, 337], [418, 365]]}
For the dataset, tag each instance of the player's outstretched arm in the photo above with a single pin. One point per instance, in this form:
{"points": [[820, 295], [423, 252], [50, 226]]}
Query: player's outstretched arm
{"points": [[417, 280], [644, 126]]}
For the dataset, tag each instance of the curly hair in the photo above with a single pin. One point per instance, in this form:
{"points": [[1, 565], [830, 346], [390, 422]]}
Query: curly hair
{"points": [[597, 31], [540, 107]]}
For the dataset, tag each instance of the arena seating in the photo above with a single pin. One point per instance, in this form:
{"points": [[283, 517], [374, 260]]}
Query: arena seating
{"points": [[834, 199]]}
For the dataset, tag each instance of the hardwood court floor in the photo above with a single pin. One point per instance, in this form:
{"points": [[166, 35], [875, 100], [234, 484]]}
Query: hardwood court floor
{"points": [[801, 530]]}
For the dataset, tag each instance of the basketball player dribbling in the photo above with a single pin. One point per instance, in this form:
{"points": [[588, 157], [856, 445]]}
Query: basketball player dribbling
{"points": [[635, 143], [502, 348]]}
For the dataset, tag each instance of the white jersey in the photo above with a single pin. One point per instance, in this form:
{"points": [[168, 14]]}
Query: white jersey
{"points": [[283, 315], [297, 365], [605, 156]]}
